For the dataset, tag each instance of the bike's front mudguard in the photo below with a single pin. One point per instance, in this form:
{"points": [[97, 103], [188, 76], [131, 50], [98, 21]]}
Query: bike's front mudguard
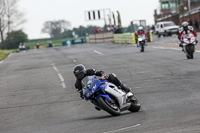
{"points": [[185, 47], [105, 96]]}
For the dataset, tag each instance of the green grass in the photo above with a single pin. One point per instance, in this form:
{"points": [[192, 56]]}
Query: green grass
{"points": [[5, 53], [44, 44]]}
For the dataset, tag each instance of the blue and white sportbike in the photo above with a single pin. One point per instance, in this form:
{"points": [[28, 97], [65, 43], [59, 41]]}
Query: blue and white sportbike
{"points": [[108, 97]]}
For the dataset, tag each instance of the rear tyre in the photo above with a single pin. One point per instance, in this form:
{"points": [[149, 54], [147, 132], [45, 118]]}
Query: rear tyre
{"points": [[110, 107], [135, 106]]}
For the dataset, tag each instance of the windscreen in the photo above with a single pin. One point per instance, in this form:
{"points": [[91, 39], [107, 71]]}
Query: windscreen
{"points": [[86, 81]]}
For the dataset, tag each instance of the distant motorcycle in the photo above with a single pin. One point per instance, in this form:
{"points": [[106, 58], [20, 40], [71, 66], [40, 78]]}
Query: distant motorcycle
{"points": [[141, 42], [37, 45], [108, 97], [189, 42]]}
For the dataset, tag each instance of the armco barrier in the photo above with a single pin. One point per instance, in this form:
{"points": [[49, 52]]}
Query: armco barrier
{"points": [[130, 38], [87, 39], [124, 38], [73, 41], [101, 37]]}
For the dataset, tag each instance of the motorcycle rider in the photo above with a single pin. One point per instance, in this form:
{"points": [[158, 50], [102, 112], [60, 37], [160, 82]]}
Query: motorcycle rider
{"points": [[140, 31], [80, 72], [184, 30]]}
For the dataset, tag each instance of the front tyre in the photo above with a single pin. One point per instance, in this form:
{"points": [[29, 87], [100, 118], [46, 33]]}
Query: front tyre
{"points": [[110, 107], [135, 106], [190, 51], [142, 48]]}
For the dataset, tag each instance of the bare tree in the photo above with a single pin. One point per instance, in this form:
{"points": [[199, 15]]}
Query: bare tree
{"points": [[2, 27], [14, 16], [10, 17], [55, 28]]}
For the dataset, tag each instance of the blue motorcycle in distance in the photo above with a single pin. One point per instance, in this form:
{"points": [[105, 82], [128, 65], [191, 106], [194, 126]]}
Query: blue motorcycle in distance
{"points": [[108, 97]]}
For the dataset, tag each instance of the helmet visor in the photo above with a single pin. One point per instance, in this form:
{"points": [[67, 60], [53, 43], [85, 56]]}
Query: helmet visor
{"points": [[79, 75]]}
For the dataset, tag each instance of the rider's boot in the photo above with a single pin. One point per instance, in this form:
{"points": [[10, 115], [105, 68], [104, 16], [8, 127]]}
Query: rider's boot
{"points": [[124, 88], [181, 45]]}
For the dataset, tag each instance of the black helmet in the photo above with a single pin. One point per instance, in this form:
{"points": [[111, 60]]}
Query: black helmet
{"points": [[79, 71], [185, 26]]}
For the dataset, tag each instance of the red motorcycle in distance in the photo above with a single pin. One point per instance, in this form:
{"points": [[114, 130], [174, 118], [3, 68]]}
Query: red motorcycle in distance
{"points": [[189, 42]]}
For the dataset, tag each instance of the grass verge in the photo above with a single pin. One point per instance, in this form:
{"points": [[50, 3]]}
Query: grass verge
{"points": [[5, 53]]}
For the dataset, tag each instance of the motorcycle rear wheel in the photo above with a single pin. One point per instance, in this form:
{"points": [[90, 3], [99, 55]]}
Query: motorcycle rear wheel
{"points": [[111, 108]]}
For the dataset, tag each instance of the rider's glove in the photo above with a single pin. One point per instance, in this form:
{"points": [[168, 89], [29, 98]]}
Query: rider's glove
{"points": [[196, 40], [104, 76], [81, 94]]}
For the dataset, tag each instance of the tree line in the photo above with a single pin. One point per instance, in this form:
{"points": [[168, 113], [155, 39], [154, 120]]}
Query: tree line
{"points": [[11, 18], [61, 29]]}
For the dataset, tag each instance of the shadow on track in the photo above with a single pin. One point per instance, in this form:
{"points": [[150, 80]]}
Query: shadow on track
{"points": [[110, 116]]}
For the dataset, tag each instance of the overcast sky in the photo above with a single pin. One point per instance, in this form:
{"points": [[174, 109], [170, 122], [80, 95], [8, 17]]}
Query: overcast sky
{"points": [[39, 11]]}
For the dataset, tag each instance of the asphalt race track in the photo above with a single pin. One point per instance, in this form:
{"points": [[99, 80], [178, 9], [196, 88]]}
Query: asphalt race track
{"points": [[37, 93]]}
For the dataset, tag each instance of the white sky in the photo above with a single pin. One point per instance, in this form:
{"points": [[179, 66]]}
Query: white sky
{"points": [[39, 11]]}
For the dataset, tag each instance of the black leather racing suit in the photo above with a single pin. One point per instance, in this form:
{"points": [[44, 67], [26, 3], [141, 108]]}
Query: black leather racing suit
{"points": [[111, 78]]}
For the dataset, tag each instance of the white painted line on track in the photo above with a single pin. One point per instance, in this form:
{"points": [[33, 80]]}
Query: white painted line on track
{"points": [[143, 72], [74, 60], [55, 68], [166, 48], [9, 54], [121, 129], [98, 52], [170, 48], [137, 87], [59, 75], [63, 85]]}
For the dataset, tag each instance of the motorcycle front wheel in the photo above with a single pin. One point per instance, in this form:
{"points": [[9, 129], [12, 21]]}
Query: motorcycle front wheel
{"points": [[142, 48], [110, 107], [190, 51]]}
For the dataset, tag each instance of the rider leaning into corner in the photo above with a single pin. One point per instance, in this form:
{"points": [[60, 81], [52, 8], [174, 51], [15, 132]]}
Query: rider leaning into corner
{"points": [[140, 31], [80, 72], [184, 30]]}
